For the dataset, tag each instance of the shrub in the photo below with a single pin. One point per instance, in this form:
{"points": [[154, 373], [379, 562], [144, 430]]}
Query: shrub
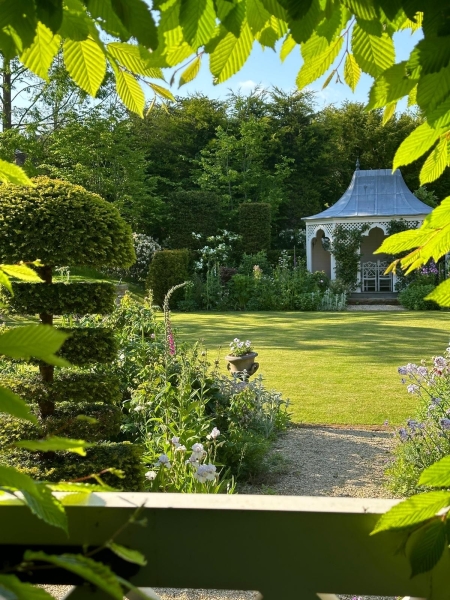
{"points": [[345, 248], [61, 223], [67, 386], [62, 298], [413, 297], [168, 268], [66, 417], [68, 467], [144, 247], [255, 226], [308, 302], [88, 345], [248, 262]]}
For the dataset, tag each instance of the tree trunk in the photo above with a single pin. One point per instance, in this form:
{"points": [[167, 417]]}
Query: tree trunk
{"points": [[47, 371], [6, 93]]}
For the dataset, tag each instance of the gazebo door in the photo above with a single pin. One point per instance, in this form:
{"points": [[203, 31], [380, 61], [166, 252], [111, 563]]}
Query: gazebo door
{"points": [[373, 277]]}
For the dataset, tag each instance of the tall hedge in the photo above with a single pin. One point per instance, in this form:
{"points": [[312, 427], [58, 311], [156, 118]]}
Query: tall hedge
{"points": [[64, 224], [193, 211], [168, 268], [255, 226]]}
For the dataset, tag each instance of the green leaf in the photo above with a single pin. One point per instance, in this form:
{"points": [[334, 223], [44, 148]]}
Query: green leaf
{"points": [[352, 72], [412, 96], [50, 13], [162, 92], [20, 590], [315, 68], [102, 11], [426, 546], [198, 21], [389, 112], [75, 25], [275, 8], [10, 173], [441, 295], [137, 19], [53, 443], [87, 419], [4, 280], [287, 47], [392, 85], [85, 488], [435, 164], [416, 144], [133, 58], [22, 272], [85, 63], [20, 16], [40, 341], [12, 404], [405, 240], [413, 511], [190, 72], [438, 474], [94, 572], [132, 556], [302, 30], [130, 92], [39, 56], [433, 54], [230, 54], [257, 16], [37, 496], [363, 9], [433, 89], [373, 53]]}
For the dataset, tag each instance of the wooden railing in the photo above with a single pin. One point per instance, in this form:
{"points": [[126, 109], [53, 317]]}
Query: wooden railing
{"points": [[286, 547]]}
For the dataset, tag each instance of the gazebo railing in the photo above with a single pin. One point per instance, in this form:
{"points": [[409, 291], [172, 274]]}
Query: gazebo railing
{"points": [[285, 547]]}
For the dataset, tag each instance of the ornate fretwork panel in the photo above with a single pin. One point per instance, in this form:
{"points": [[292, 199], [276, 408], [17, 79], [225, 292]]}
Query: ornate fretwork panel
{"points": [[328, 228]]}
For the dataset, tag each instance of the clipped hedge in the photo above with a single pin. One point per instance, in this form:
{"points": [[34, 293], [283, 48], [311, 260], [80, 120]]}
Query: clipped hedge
{"points": [[63, 224], [65, 466], [254, 226], [64, 423], [168, 268], [413, 297], [192, 211], [67, 386], [62, 298], [88, 345]]}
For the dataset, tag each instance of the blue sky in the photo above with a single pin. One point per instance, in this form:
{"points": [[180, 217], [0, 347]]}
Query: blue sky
{"points": [[265, 68]]}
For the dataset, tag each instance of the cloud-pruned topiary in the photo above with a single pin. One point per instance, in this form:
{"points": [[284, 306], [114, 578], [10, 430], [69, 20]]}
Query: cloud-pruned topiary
{"points": [[62, 224]]}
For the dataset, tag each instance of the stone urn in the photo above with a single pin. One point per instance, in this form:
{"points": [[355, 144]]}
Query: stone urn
{"points": [[239, 364]]}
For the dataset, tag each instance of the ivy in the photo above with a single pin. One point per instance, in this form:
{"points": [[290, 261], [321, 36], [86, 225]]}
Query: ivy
{"points": [[346, 251]]}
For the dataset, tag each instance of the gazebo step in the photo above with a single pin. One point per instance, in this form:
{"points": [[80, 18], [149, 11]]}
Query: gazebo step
{"points": [[368, 298]]}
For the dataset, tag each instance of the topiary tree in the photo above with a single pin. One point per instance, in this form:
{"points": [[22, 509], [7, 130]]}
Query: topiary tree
{"points": [[254, 226], [59, 223], [167, 269]]}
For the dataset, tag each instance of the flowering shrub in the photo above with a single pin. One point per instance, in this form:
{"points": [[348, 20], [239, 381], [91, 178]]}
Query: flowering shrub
{"points": [[425, 438], [238, 348], [145, 247]]}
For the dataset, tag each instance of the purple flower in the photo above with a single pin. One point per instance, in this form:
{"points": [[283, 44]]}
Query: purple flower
{"points": [[422, 371], [402, 371], [445, 424], [171, 344], [440, 362], [412, 388], [403, 434], [411, 368]]}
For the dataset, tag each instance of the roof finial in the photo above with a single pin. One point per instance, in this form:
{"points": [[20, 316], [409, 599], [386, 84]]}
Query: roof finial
{"points": [[357, 163]]}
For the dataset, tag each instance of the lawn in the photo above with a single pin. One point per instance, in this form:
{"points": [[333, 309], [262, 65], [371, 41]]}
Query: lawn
{"points": [[334, 367]]}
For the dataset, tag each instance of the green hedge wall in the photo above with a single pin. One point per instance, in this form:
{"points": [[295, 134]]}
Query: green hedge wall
{"points": [[62, 298], [68, 386], [168, 268], [64, 423], [88, 345], [192, 211], [65, 466], [254, 226], [63, 224]]}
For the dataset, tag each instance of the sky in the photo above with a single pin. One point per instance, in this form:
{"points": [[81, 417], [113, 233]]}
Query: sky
{"points": [[265, 68]]}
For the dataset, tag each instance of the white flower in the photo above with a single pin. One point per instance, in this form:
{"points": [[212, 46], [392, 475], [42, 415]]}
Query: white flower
{"points": [[214, 434], [236, 340], [198, 451], [248, 343], [175, 441], [193, 461], [205, 473], [164, 461], [180, 448], [139, 407], [151, 475]]}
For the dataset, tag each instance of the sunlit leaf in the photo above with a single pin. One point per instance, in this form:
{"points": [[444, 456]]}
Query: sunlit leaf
{"points": [[389, 112], [132, 556], [352, 71], [198, 21], [22, 272], [416, 144], [53, 444], [413, 511], [131, 57], [162, 92], [191, 71], [315, 68], [130, 92], [39, 56], [230, 54], [12, 404], [425, 547], [373, 53], [21, 590], [287, 47], [85, 63], [10, 173], [438, 474], [39, 341]]}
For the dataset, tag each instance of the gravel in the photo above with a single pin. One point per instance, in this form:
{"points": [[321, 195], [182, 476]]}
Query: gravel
{"points": [[310, 461]]}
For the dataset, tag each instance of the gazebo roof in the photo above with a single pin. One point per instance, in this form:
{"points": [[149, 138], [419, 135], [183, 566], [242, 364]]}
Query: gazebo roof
{"points": [[375, 193]]}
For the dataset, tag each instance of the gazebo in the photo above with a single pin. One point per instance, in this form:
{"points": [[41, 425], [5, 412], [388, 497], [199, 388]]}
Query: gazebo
{"points": [[374, 198]]}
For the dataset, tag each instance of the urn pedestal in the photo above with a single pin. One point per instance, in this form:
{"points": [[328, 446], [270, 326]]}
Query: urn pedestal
{"points": [[239, 364]]}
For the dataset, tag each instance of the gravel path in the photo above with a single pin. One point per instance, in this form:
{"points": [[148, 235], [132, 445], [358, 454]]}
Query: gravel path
{"points": [[311, 461]]}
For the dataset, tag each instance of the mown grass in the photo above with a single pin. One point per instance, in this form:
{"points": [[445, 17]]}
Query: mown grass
{"points": [[335, 367]]}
